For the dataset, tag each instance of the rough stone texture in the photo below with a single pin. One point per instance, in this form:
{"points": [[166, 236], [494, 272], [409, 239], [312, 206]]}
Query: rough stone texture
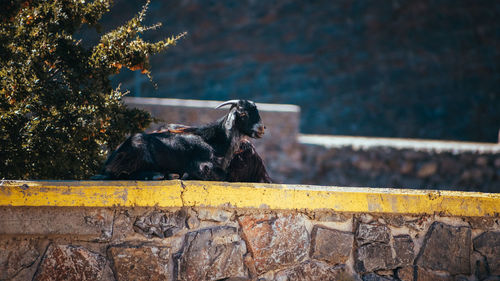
{"points": [[71, 263], [426, 275], [275, 241], [488, 244], [368, 233], [94, 224], [216, 215], [446, 248], [492, 278], [399, 168], [427, 170], [329, 216], [16, 254], [141, 263], [479, 265], [211, 254], [332, 246], [267, 246], [403, 248], [313, 271], [376, 277], [192, 221], [161, 224], [390, 166], [374, 256], [406, 273]]}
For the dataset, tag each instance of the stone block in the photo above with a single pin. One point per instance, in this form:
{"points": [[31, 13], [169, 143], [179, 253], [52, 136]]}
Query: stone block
{"points": [[211, 254], [312, 271], [427, 170], [403, 248], [332, 246], [148, 263], [406, 273], [427, 275], [376, 277], [161, 223], [16, 254], [70, 263], [479, 265], [216, 215], [374, 256], [488, 244], [368, 233], [446, 248], [91, 224], [275, 241], [192, 221], [415, 273]]}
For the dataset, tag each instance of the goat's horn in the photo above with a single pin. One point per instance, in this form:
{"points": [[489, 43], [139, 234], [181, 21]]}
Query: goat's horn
{"points": [[231, 102]]}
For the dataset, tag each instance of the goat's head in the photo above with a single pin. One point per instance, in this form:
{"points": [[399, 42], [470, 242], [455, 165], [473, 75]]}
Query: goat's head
{"points": [[245, 117]]}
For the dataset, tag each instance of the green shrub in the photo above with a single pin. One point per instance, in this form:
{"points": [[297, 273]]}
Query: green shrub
{"points": [[59, 113]]}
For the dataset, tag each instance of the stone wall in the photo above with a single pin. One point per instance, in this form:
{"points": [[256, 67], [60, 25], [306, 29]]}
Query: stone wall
{"points": [[399, 163], [196, 243], [189, 230]]}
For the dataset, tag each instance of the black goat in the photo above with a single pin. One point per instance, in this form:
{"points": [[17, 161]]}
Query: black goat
{"points": [[247, 166], [203, 152], [151, 156]]}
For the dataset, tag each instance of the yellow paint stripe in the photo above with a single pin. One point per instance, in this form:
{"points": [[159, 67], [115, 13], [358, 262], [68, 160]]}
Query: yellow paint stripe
{"points": [[247, 195]]}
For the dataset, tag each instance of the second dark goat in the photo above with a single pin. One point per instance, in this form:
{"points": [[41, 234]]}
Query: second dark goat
{"points": [[203, 152], [247, 166]]}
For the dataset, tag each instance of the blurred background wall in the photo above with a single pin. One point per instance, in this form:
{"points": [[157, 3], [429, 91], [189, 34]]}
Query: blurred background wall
{"points": [[417, 69]]}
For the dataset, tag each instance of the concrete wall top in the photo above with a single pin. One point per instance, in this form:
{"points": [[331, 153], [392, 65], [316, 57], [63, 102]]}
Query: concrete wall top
{"points": [[207, 104], [178, 193], [363, 143]]}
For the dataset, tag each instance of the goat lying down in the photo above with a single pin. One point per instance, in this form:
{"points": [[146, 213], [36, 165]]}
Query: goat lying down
{"points": [[199, 153], [246, 164]]}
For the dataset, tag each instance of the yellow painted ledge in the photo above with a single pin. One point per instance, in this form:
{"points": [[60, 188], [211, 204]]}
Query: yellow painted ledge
{"points": [[247, 195]]}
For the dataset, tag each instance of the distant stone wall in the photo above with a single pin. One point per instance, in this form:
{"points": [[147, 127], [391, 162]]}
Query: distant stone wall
{"points": [[65, 243], [399, 163], [116, 231]]}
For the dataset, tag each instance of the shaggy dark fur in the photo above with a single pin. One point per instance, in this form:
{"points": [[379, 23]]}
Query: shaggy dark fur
{"points": [[203, 152], [247, 166]]}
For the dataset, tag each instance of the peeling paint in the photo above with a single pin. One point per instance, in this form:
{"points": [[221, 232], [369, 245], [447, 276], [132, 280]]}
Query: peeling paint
{"points": [[178, 193]]}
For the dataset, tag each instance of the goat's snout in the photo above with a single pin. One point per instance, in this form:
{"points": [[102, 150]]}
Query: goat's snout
{"points": [[258, 130]]}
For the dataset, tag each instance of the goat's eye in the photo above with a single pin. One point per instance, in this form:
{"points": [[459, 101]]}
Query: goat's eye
{"points": [[242, 114]]}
